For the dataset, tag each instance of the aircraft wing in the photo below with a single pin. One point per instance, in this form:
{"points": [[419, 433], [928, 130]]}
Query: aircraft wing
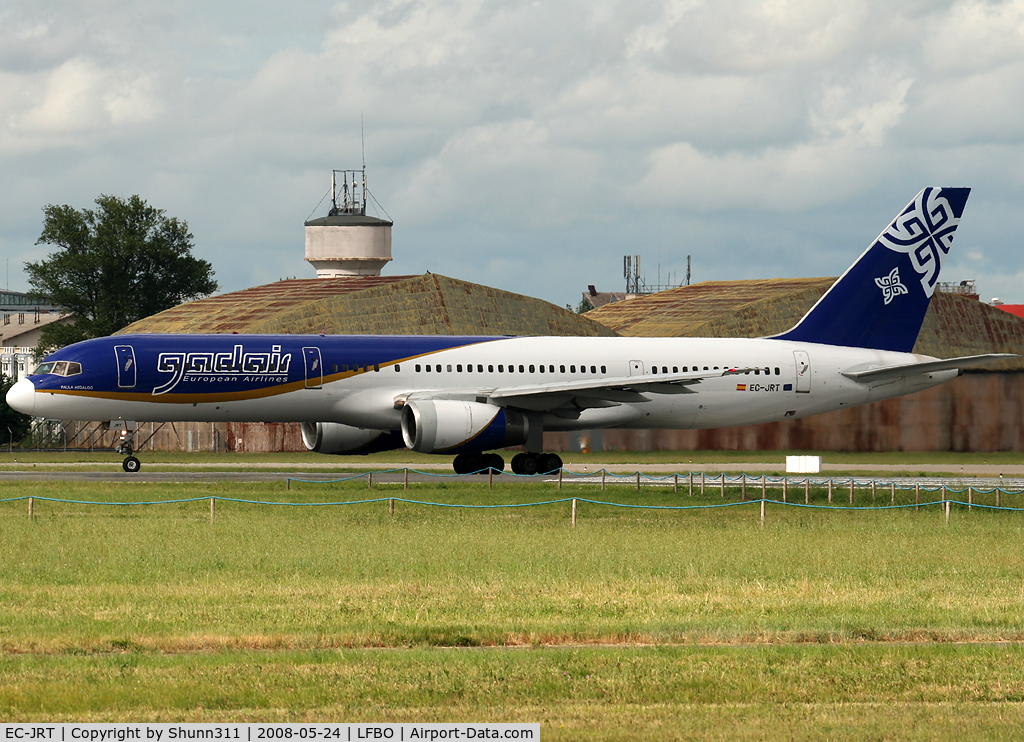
{"points": [[599, 392], [894, 372]]}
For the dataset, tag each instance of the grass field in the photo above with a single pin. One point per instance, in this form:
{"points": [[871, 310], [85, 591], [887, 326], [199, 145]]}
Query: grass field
{"points": [[636, 624]]}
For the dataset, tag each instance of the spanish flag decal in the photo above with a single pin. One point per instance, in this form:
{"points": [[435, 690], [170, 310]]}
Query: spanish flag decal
{"points": [[741, 387]]}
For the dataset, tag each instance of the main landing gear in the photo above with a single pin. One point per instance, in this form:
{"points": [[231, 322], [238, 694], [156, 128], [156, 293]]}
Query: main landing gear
{"points": [[536, 463], [473, 463]]}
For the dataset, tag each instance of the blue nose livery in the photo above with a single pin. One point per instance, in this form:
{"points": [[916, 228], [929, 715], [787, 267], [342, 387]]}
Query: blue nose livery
{"points": [[467, 395]]}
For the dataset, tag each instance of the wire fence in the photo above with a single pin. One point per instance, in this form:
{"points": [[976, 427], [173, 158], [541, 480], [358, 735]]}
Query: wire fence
{"points": [[752, 490]]}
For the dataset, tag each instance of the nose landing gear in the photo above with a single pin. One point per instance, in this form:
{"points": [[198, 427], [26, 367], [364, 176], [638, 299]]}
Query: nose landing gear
{"points": [[130, 464]]}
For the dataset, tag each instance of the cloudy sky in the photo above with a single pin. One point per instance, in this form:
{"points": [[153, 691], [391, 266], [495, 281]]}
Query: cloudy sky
{"points": [[525, 145]]}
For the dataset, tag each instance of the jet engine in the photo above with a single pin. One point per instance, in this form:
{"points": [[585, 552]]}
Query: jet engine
{"points": [[455, 426], [335, 438]]}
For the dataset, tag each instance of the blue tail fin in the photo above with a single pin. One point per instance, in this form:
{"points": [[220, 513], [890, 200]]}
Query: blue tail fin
{"points": [[881, 300]]}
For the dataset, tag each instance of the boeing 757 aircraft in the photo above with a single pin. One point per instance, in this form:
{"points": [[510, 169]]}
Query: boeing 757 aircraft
{"points": [[467, 396]]}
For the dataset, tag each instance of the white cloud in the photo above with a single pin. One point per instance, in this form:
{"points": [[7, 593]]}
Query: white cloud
{"points": [[510, 133]]}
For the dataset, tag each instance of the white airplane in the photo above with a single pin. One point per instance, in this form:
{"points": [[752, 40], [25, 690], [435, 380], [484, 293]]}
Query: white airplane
{"points": [[470, 395]]}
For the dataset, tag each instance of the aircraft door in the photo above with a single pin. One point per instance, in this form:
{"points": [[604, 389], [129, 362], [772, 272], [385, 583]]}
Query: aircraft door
{"points": [[803, 371], [126, 371], [636, 368], [314, 368]]}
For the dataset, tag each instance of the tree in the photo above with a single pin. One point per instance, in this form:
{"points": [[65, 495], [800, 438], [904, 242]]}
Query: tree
{"points": [[12, 420], [114, 265]]}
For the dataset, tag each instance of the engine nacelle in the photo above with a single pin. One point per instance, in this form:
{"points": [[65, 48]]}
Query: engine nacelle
{"points": [[454, 426], [335, 438]]}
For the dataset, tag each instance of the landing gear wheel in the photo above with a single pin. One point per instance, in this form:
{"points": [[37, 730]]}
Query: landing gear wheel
{"points": [[131, 465], [550, 462], [494, 461], [530, 464], [517, 463], [468, 463]]}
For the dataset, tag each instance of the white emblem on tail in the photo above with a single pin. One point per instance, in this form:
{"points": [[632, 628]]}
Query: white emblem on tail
{"points": [[924, 232], [891, 286]]}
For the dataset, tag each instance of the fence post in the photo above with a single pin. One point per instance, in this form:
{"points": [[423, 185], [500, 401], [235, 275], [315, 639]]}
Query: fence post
{"points": [[287, 483], [391, 506], [743, 487], [917, 493], [830, 490], [559, 478], [764, 486], [702, 478], [723, 485], [212, 508], [574, 512], [691, 484], [762, 512], [675, 483], [603, 472], [31, 508], [874, 490], [490, 478], [369, 481], [947, 512], [807, 491], [785, 489], [638, 481], [406, 482], [851, 490], [999, 499], [970, 498], [892, 487]]}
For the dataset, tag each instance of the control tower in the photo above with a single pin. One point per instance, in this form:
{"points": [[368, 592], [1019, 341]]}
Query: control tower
{"points": [[347, 242]]}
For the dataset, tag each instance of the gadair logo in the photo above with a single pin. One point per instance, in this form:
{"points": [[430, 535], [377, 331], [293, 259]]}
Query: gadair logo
{"points": [[891, 286], [924, 231], [214, 367]]}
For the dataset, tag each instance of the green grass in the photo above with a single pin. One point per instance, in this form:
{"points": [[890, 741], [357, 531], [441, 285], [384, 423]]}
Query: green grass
{"points": [[634, 624]]}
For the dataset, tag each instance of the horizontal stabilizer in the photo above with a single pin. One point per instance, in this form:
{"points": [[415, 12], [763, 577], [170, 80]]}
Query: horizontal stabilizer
{"points": [[894, 372]]}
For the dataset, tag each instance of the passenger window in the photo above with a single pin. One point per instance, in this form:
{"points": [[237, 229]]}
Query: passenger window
{"points": [[603, 370], [777, 372], [572, 369], [561, 369], [705, 368], [757, 372], [542, 368], [531, 368], [501, 369], [398, 368], [480, 367], [428, 368], [593, 369], [654, 369], [675, 369], [417, 368], [344, 367], [522, 369], [376, 367], [334, 368], [490, 369], [458, 368], [437, 367]]}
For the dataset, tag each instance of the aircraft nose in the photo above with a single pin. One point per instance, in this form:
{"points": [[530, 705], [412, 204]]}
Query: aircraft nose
{"points": [[22, 396]]}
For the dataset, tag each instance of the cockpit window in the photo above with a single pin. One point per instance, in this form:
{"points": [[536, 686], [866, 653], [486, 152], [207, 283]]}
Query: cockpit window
{"points": [[59, 368]]}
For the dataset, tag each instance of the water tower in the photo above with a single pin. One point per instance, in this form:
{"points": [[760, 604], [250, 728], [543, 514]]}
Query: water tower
{"points": [[347, 242]]}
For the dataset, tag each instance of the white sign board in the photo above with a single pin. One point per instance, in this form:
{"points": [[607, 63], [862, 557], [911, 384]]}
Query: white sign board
{"points": [[803, 464]]}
